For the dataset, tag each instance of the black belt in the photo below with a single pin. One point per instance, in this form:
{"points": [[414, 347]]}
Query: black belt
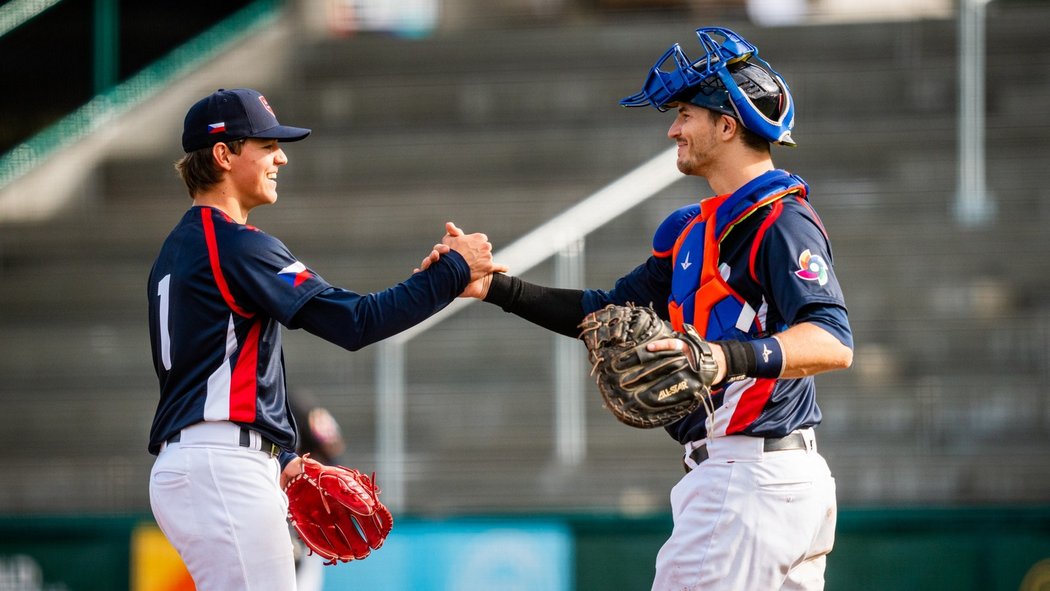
{"points": [[267, 446], [794, 440]]}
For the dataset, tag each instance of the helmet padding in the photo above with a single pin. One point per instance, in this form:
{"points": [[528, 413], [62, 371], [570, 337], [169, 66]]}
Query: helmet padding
{"points": [[752, 79]]}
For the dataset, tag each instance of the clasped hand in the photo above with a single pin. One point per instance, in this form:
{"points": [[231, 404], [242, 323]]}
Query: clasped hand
{"points": [[475, 249]]}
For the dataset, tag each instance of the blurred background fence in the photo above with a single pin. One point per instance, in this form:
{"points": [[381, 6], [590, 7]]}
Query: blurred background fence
{"points": [[501, 118]]}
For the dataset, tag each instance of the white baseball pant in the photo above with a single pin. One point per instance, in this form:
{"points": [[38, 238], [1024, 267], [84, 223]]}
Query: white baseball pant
{"points": [[750, 520], [221, 506]]}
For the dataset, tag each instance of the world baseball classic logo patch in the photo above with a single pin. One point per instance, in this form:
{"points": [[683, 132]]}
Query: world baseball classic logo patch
{"points": [[812, 267]]}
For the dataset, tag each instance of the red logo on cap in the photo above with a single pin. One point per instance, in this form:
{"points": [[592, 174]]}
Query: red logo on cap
{"points": [[266, 105]]}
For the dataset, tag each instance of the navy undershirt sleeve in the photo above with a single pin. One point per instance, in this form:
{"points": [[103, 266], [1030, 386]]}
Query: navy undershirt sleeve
{"points": [[649, 284], [353, 321]]}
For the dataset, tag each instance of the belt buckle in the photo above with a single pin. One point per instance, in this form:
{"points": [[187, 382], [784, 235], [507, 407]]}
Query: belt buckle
{"points": [[265, 445]]}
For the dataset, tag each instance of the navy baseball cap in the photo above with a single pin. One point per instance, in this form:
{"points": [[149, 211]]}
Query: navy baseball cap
{"points": [[228, 115]]}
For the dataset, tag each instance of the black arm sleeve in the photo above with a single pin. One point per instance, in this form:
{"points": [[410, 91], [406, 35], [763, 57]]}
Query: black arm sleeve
{"points": [[556, 309]]}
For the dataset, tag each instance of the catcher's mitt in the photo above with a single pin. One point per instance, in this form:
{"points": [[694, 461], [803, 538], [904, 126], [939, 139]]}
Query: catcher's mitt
{"points": [[645, 388], [337, 511]]}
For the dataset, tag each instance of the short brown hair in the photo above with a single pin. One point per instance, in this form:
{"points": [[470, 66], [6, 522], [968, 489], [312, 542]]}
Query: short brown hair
{"points": [[750, 138], [198, 170]]}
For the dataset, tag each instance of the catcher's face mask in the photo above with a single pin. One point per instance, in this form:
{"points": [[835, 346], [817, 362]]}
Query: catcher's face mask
{"points": [[708, 83]]}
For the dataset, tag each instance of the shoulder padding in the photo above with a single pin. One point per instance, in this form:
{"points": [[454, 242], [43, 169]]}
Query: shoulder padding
{"points": [[667, 234]]}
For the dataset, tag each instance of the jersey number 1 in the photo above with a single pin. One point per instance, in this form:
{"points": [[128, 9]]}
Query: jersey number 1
{"points": [[162, 317]]}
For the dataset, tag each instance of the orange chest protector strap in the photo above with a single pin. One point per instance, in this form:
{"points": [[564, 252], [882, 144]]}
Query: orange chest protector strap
{"points": [[700, 291]]}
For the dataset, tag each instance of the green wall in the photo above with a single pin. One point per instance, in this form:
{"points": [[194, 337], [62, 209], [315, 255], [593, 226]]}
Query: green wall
{"points": [[899, 549]]}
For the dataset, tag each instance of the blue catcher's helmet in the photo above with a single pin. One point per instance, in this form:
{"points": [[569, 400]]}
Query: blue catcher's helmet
{"points": [[730, 78]]}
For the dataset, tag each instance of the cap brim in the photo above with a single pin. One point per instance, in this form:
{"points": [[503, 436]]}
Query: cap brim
{"points": [[284, 133]]}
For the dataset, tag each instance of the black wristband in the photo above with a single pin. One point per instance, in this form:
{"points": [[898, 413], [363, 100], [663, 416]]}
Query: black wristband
{"points": [[740, 360]]}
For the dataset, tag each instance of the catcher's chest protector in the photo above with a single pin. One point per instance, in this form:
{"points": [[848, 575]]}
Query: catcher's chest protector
{"points": [[700, 294]]}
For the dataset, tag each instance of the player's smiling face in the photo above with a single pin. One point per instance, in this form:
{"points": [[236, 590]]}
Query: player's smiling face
{"points": [[694, 130], [254, 175]]}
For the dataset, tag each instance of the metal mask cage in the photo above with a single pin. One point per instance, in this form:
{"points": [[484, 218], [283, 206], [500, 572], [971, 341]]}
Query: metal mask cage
{"points": [[674, 75]]}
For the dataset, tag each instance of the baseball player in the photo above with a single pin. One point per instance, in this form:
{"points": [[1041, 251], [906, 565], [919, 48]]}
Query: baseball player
{"points": [[751, 270], [219, 292]]}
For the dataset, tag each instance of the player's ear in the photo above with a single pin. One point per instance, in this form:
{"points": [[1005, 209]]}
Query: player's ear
{"points": [[727, 126], [222, 155]]}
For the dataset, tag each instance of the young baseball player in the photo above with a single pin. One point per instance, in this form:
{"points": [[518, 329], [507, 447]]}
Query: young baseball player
{"points": [[751, 270], [219, 292]]}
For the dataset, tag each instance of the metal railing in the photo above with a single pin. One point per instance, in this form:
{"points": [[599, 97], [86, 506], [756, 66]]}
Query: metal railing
{"points": [[973, 202], [18, 12]]}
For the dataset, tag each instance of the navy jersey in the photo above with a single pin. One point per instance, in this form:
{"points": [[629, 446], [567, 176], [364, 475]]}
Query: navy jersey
{"points": [[774, 267], [219, 292]]}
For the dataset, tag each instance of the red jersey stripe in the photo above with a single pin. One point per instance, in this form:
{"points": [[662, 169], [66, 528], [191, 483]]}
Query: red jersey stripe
{"points": [[750, 405], [774, 213], [243, 381], [216, 270]]}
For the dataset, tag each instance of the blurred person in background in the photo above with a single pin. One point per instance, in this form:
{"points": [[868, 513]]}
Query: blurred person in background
{"points": [[321, 437]]}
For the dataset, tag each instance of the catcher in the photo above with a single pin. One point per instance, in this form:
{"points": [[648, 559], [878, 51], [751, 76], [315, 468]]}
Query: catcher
{"points": [[745, 280]]}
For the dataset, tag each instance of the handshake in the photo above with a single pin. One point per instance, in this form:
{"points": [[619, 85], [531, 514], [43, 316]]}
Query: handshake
{"points": [[476, 250]]}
